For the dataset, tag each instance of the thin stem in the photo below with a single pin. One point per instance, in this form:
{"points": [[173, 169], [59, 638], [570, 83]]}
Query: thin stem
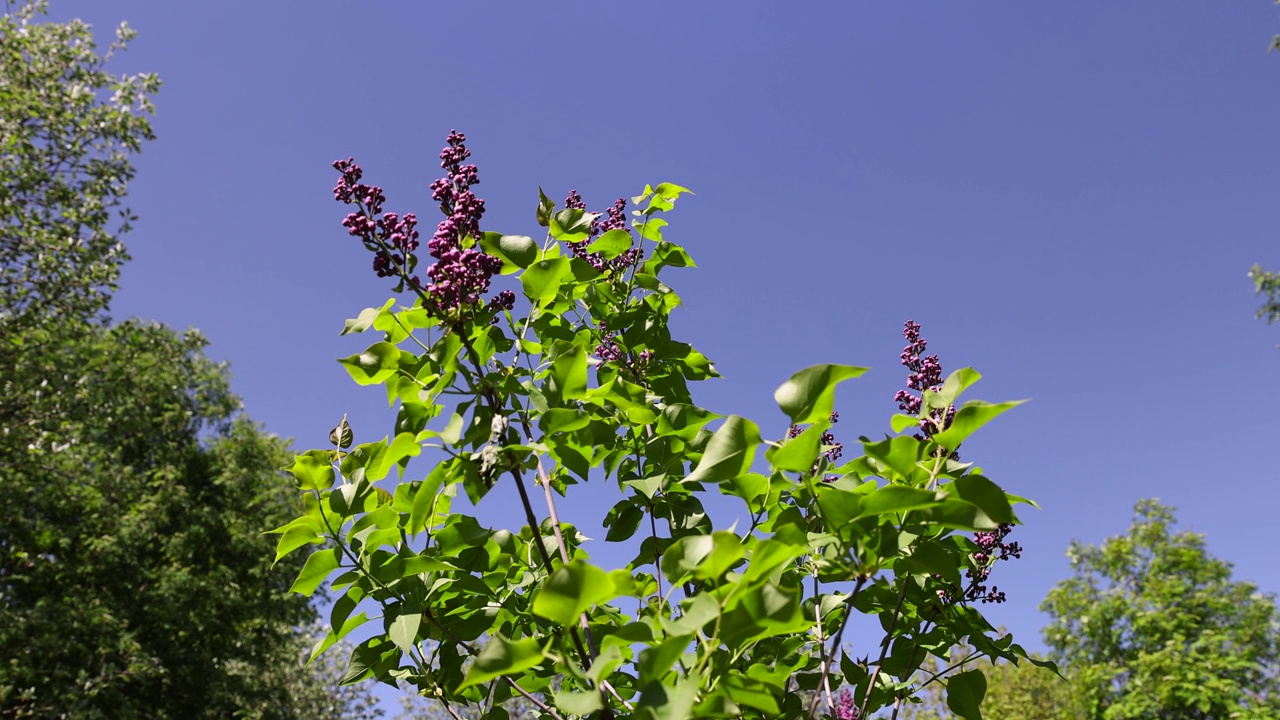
{"points": [[532, 519], [963, 661], [884, 649], [541, 705], [822, 650], [657, 557], [839, 636], [449, 708]]}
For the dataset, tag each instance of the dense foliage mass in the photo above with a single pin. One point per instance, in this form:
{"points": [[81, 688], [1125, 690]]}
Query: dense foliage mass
{"points": [[1152, 626], [135, 581], [582, 381]]}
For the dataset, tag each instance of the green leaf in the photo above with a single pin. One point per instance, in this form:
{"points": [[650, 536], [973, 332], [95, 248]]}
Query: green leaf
{"points": [[405, 445], [569, 369], [302, 531], [374, 365], [516, 251], [571, 590], [563, 420], [930, 558], [501, 656], [611, 244], [581, 704], [955, 384], [315, 570], [968, 419], [965, 692], [762, 611], [313, 470], [752, 693], [332, 637], [751, 487], [623, 520], [986, 495], [702, 556], [655, 662], [726, 550], [696, 612], [799, 453], [899, 454], [545, 208], [365, 319], [541, 281], [901, 422], [896, 499], [572, 225], [403, 629], [424, 501], [671, 191], [372, 658], [809, 395], [729, 452], [957, 513]]}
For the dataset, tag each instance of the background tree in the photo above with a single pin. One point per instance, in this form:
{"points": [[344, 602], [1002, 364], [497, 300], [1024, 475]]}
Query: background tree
{"points": [[135, 580], [68, 127], [1267, 284], [1152, 626]]}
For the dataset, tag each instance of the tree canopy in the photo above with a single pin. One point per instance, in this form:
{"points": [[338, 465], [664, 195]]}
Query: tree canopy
{"points": [[135, 579], [1152, 626]]}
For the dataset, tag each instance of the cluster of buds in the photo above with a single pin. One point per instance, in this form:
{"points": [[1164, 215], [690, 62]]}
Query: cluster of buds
{"points": [[991, 549], [926, 374], [614, 219], [462, 272], [608, 349], [391, 237]]}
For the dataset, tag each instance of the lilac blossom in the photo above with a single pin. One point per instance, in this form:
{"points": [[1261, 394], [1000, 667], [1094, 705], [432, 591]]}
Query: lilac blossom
{"points": [[614, 219], [845, 708], [926, 374], [390, 236], [991, 549], [462, 272]]}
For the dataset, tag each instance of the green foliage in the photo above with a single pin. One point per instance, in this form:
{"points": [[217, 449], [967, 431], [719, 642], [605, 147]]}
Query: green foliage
{"points": [[584, 382], [135, 581], [1267, 284], [67, 131], [1152, 626]]}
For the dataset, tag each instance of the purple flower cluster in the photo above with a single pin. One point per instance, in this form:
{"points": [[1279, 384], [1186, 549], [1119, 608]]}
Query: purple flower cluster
{"points": [[926, 374], [608, 349], [505, 300], [391, 237], [615, 219], [845, 708], [836, 449], [991, 548], [462, 273]]}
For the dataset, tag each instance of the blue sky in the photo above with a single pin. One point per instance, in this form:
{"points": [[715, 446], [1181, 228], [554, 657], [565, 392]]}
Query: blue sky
{"points": [[1066, 195]]}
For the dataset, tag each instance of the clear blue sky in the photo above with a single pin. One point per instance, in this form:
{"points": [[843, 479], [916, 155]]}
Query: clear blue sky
{"points": [[1066, 195]]}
